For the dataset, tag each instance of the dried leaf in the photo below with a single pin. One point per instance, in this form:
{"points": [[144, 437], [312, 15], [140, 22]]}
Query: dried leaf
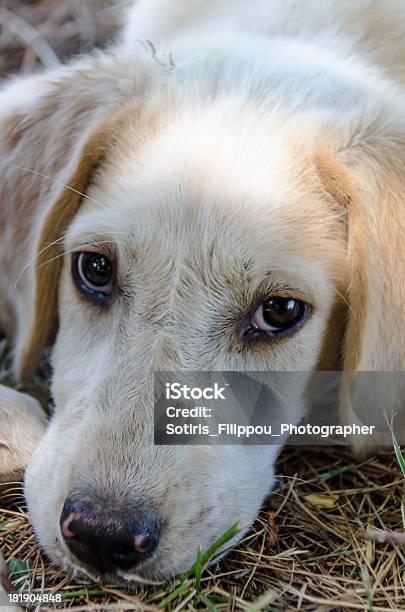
{"points": [[321, 500], [272, 532]]}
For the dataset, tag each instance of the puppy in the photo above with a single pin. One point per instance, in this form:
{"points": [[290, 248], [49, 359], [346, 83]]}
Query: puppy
{"points": [[228, 196]]}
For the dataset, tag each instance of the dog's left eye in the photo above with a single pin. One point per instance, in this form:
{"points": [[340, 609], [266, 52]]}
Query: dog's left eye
{"points": [[277, 315], [93, 274]]}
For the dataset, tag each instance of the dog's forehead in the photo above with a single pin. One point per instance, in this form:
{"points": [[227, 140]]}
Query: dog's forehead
{"points": [[196, 188], [180, 222]]}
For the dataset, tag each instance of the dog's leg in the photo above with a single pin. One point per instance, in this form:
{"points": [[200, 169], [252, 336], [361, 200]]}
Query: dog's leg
{"points": [[22, 424]]}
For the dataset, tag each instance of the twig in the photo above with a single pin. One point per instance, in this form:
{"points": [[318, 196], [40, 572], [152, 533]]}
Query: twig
{"points": [[30, 37], [384, 537], [86, 25]]}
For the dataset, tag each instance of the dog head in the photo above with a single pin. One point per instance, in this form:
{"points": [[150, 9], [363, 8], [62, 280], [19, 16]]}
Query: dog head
{"points": [[169, 240]]}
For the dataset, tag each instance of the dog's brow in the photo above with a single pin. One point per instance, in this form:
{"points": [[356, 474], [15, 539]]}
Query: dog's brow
{"points": [[95, 241]]}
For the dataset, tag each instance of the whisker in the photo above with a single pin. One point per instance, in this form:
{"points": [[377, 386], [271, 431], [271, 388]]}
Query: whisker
{"points": [[59, 241], [12, 493], [55, 181], [16, 482], [71, 251]]}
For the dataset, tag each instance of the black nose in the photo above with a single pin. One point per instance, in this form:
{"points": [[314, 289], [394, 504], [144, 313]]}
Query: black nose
{"points": [[107, 535]]}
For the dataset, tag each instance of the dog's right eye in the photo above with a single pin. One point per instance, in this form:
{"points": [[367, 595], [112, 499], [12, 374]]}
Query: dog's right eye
{"points": [[276, 317], [93, 274]]}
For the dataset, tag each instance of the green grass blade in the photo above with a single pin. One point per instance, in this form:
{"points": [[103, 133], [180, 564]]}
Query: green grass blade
{"points": [[198, 568], [19, 573], [337, 471], [183, 586], [398, 454], [207, 555], [207, 603]]}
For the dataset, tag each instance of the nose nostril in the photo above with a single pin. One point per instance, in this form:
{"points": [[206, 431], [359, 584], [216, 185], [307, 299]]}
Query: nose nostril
{"points": [[143, 543], [66, 525]]}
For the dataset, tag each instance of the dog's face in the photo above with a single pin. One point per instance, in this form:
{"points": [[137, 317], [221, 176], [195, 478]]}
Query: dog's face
{"points": [[199, 260], [212, 235]]}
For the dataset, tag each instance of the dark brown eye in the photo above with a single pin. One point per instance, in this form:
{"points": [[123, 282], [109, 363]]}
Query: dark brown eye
{"points": [[93, 274], [278, 314]]}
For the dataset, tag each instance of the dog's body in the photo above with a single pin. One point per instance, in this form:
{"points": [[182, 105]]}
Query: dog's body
{"points": [[256, 154]]}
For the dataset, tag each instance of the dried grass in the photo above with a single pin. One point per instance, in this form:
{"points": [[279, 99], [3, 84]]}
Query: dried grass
{"points": [[35, 33], [306, 551]]}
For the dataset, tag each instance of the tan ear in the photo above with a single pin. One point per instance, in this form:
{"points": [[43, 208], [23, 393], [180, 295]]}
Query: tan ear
{"points": [[368, 181], [45, 269], [54, 130]]}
